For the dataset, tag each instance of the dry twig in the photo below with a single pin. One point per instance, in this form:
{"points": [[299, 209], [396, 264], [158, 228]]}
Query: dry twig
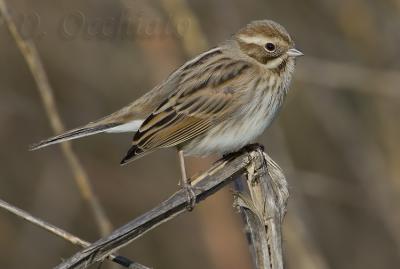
{"points": [[221, 173], [264, 210]]}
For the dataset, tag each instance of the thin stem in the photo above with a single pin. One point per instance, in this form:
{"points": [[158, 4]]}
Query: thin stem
{"points": [[31, 56]]}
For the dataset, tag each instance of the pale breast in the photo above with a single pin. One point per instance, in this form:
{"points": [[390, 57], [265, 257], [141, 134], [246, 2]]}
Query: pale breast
{"points": [[244, 126]]}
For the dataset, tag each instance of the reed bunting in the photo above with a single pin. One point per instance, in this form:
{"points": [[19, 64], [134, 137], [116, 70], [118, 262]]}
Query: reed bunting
{"points": [[215, 103]]}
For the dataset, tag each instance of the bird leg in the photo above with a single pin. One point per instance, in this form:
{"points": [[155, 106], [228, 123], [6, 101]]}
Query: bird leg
{"points": [[191, 195]]}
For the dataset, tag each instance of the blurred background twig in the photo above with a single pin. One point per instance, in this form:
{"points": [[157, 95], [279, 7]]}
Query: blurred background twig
{"points": [[31, 55]]}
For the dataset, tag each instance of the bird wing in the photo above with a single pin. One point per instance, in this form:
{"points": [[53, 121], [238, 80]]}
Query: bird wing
{"points": [[207, 93]]}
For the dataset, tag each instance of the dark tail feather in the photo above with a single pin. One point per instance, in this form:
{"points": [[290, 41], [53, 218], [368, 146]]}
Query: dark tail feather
{"points": [[134, 153], [73, 134]]}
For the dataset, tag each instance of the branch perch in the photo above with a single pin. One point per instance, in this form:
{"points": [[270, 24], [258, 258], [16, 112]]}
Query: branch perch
{"points": [[263, 211], [219, 175]]}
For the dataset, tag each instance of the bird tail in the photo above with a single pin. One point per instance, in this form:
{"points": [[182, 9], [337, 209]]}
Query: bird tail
{"points": [[87, 130]]}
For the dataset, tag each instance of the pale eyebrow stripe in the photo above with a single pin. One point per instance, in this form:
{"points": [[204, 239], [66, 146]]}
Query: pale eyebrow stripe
{"points": [[258, 40]]}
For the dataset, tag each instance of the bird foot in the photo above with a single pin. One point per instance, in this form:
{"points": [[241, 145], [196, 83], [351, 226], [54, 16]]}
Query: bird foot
{"points": [[190, 196]]}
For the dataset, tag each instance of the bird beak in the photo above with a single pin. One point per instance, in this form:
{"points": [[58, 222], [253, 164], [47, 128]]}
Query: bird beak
{"points": [[294, 53]]}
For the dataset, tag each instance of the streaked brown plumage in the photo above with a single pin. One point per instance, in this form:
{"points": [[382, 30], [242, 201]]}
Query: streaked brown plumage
{"points": [[217, 102]]}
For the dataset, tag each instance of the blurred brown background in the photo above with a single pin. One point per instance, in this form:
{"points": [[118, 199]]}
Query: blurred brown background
{"points": [[337, 138]]}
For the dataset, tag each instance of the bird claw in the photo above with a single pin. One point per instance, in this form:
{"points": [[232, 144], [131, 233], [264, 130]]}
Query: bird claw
{"points": [[190, 196]]}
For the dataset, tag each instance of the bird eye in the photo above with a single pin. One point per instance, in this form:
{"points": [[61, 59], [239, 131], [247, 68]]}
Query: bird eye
{"points": [[270, 47]]}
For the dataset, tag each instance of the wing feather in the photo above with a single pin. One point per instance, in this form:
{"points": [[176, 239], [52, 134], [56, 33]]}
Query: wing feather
{"points": [[202, 99]]}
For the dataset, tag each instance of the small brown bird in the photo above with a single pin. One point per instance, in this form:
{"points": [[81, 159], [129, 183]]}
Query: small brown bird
{"points": [[215, 103]]}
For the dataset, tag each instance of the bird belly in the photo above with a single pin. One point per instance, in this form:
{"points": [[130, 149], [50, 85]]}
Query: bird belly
{"points": [[221, 140], [238, 131]]}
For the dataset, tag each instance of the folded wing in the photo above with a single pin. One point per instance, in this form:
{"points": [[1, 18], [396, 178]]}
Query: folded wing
{"points": [[206, 95]]}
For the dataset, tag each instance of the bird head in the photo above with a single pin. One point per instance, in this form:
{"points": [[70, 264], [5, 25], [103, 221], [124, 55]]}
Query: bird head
{"points": [[268, 43]]}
